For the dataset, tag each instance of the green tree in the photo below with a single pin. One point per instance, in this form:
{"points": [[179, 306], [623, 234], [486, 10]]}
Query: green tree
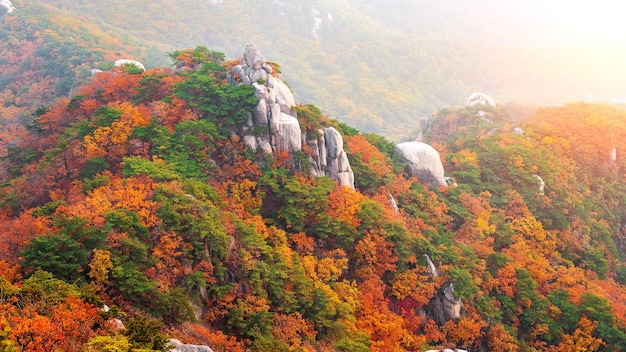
{"points": [[58, 254], [143, 333]]}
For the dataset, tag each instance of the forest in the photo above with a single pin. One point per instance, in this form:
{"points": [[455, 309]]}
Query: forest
{"points": [[128, 189]]}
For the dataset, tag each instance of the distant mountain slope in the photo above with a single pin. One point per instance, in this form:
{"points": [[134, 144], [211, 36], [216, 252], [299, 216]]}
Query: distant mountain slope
{"points": [[380, 65], [46, 53]]}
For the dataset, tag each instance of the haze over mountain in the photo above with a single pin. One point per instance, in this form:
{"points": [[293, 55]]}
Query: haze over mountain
{"points": [[382, 64]]}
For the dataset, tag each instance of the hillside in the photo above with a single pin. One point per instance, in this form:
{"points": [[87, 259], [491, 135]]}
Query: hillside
{"points": [[376, 66], [138, 192]]}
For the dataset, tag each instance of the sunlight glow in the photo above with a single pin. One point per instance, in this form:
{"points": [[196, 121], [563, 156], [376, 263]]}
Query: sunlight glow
{"points": [[588, 22]]}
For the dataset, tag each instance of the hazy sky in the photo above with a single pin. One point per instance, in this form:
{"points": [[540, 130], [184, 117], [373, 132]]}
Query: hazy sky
{"points": [[599, 21]]}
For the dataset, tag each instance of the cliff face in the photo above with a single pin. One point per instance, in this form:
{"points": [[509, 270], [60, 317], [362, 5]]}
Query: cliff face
{"points": [[274, 127]]}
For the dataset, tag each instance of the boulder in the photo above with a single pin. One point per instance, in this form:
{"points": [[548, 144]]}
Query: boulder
{"points": [[8, 5], [337, 165], [283, 96], [250, 142], [478, 98], [542, 184], [123, 62], [252, 57], [432, 269], [289, 137], [423, 163], [444, 306], [260, 113], [177, 346]]}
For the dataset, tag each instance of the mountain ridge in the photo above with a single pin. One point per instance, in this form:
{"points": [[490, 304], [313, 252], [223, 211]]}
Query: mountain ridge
{"points": [[350, 70], [135, 188], [136, 192]]}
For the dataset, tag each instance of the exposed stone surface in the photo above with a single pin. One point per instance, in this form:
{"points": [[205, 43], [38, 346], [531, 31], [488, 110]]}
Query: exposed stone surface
{"points": [[393, 203], [274, 126], [318, 159], [432, 269], [273, 111], [542, 184], [178, 346], [113, 323], [338, 166], [8, 5], [122, 62], [478, 98], [612, 156], [289, 137], [423, 163], [444, 306]]}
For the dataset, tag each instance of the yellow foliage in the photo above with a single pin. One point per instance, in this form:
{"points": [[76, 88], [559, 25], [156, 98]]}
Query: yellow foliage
{"points": [[100, 266], [581, 339]]}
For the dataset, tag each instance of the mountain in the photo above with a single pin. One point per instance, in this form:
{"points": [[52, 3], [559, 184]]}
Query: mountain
{"points": [[142, 191], [201, 199], [347, 56]]}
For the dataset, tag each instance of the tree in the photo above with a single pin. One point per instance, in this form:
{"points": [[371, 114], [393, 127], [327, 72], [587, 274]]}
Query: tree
{"points": [[224, 104], [582, 339], [100, 266], [143, 333], [58, 254]]}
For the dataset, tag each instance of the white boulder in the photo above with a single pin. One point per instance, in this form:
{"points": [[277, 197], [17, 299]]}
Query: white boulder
{"points": [[123, 62], [423, 163], [177, 346], [478, 98], [337, 164], [8, 5]]}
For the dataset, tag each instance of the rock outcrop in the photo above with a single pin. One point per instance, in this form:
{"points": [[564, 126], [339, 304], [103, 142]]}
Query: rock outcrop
{"points": [[444, 306], [612, 156], [274, 127], [542, 184], [8, 5], [123, 62], [478, 98], [338, 167], [423, 163], [177, 346]]}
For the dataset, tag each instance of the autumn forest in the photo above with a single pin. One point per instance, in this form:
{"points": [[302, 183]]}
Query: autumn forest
{"points": [[126, 189]]}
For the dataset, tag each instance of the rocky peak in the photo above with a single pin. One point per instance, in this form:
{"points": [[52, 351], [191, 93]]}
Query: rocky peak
{"points": [[274, 128]]}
